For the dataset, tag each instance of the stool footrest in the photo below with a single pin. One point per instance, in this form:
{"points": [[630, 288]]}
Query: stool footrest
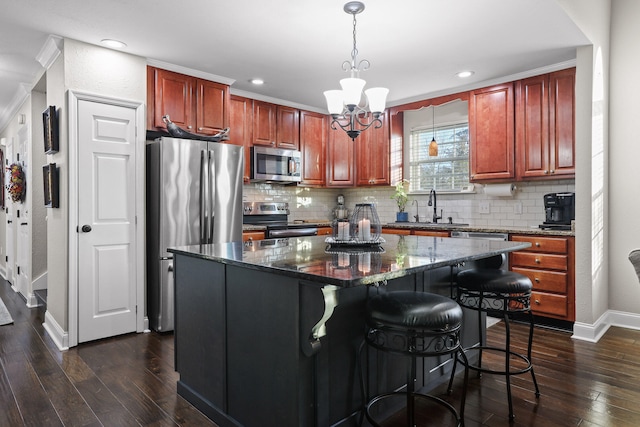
{"points": [[518, 371], [447, 405]]}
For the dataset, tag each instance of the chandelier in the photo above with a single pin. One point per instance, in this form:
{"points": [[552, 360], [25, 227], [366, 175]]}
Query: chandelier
{"points": [[344, 105]]}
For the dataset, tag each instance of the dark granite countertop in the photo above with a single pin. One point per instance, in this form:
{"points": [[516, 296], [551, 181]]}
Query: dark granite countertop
{"points": [[484, 228], [312, 258]]}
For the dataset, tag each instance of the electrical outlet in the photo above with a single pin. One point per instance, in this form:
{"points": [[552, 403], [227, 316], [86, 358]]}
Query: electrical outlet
{"points": [[485, 208], [518, 208]]}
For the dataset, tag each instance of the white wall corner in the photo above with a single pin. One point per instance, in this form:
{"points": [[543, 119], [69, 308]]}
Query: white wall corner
{"points": [[50, 51], [55, 331], [593, 332]]}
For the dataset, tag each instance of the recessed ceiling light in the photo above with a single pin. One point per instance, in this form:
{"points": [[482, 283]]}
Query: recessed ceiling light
{"points": [[113, 43], [465, 74], [257, 81]]}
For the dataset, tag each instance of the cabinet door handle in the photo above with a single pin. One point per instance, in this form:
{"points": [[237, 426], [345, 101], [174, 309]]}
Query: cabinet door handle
{"points": [[553, 171], [536, 280], [537, 244], [537, 301], [546, 172], [199, 128], [537, 261]]}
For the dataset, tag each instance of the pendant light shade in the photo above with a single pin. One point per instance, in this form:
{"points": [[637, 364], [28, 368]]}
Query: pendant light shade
{"points": [[433, 145], [377, 98]]}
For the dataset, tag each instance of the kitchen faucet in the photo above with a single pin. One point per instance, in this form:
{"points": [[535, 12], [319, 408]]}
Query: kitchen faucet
{"points": [[433, 201], [417, 215]]}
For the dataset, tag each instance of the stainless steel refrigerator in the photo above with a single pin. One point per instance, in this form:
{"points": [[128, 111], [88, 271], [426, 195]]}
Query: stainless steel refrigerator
{"points": [[194, 196]]}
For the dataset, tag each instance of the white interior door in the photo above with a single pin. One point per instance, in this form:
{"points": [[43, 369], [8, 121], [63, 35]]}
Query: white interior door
{"points": [[10, 230], [106, 216], [21, 221]]}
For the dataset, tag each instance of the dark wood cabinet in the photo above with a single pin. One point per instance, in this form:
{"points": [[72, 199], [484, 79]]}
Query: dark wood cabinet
{"points": [[288, 128], [545, 126], [550, 264], [313, 137], [372, 155], [340, 159], [491, 133], [240, 128], [276, 125], [196, 105]]}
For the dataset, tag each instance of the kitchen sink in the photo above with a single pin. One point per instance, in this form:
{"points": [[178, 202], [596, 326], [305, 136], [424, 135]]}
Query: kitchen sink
{"points": [[440, 224]]}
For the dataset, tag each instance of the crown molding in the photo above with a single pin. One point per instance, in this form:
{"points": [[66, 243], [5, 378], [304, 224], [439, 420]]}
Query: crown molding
{"points": [[50, 51], [190, 72]]}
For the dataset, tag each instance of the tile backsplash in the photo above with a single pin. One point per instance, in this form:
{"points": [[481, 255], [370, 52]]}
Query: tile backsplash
{"points": [[524, 209]]}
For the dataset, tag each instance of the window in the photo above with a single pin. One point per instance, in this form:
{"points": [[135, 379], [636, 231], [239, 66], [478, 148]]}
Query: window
{"points": [[449, 170]]}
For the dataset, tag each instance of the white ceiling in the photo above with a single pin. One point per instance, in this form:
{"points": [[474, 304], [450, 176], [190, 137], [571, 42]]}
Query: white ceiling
{"points": [[297, 46]]}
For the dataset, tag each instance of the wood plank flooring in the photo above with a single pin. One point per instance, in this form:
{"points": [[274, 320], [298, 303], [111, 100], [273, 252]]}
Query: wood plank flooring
{"points": [[130, 380]]}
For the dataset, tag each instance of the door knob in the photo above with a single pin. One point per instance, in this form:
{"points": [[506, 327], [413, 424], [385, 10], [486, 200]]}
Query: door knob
{"points": [[86, 228]]}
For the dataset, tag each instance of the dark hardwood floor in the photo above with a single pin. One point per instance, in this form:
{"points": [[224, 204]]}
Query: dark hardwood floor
{"points": [[130, 381]]}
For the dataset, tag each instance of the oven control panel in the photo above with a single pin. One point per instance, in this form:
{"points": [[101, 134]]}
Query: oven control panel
{"points": [[265, 208]]}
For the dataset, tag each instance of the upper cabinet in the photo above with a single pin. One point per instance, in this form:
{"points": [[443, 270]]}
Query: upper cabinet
{"points": [[276, 125], [545, 126], [240, 120], [372, 155], [196, 105], [340, 159], [313, 140], [491, 133]]}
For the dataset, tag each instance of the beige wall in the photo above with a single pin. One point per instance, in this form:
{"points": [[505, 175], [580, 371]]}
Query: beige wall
{"points": [[624, 156]]}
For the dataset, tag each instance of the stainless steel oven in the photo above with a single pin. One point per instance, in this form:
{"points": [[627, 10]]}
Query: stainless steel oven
{"points": [[275, 217], [275, 165]]}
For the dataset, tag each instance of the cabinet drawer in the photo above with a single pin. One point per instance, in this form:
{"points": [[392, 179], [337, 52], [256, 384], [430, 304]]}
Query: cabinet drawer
{"points": [[430, 233], [400, 231], [558, 245], [550, 281], [536, 260], [543, 303], [252, 235]]}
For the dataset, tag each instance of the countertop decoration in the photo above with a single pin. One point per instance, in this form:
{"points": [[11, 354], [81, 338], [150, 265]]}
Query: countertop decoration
{"points": [[17, 183], [364, 228], [401, 196]]}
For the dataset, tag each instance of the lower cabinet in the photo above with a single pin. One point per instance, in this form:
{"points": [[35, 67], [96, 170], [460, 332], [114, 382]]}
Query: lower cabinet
{"points": [[550, 264], [325, 231], [410, 232], [252, 235]]}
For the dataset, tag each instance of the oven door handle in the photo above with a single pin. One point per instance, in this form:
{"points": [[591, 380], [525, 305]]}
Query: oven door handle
{"points": [[293, 232]]}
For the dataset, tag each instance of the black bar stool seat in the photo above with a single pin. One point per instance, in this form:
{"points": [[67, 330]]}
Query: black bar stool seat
{"points": [[498, 293], [415, 324]]}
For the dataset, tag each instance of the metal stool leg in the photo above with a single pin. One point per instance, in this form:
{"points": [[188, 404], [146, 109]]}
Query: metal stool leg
{"points": [[533, 375]]}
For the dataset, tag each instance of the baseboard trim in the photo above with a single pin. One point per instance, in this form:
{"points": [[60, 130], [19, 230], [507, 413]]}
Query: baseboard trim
{"points": [[59, 336], [593, 332]]}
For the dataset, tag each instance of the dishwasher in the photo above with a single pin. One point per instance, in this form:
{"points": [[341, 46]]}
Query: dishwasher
{"points": [[485, 236]]}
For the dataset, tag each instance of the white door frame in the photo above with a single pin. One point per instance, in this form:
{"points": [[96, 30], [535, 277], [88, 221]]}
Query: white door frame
{"points": [[74, 98]]}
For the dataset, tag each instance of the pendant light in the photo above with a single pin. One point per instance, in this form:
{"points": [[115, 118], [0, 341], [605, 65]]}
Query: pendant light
{"points": [[433, 145], [344, 105]]}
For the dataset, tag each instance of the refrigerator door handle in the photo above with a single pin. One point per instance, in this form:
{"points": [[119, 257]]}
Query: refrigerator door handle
{"points": [[203, 196], [212, 188]]}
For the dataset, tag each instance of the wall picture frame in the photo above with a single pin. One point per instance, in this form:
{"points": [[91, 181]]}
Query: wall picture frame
{"points": [[51, 187], [50, 126]]}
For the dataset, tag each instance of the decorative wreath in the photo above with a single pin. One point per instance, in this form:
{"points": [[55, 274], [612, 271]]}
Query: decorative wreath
{"points": [[17, 184]]}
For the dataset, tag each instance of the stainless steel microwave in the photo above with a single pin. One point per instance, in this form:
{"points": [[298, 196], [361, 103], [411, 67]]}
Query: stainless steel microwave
{"points": [[275, 165]]}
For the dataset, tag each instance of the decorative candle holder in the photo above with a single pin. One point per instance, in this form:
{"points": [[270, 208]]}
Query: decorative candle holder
{"points": [[341, 231], [365, 225]]}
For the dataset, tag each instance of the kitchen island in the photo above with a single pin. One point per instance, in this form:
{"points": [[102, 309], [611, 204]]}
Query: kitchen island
{"points": [[268, 332]]}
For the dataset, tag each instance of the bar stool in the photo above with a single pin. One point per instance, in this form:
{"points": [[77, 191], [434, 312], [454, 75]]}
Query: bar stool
{"points": [[498, 293], [415, 324]]}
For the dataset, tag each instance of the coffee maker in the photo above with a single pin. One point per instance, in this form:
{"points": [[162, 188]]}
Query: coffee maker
{"points": [[559, 210]]}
